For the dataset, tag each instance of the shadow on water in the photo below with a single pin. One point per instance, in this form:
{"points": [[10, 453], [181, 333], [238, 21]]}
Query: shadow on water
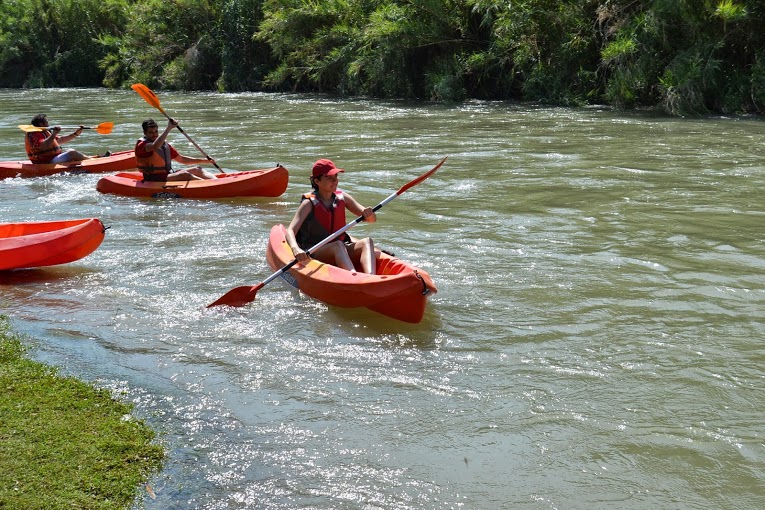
{"points": [[42, 287], [35, 276], [362, 322]]}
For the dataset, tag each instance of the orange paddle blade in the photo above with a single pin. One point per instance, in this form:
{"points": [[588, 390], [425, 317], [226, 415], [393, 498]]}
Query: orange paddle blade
{"points": [[238, 296], [147, 94], [422, 177], [104, 128]]}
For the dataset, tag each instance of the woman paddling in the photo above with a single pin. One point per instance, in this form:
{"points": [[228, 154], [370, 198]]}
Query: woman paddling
{"points": [[321, 213]]}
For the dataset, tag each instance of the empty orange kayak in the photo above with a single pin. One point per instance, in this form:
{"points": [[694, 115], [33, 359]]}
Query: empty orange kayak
{"points": [[271, 182], [398, 290], [117, 162], [48, 243]]}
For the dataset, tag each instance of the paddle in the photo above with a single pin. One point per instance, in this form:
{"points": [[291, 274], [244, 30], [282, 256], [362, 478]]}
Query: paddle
{"points": [[240, 296], [102, 129], [150, 97]]}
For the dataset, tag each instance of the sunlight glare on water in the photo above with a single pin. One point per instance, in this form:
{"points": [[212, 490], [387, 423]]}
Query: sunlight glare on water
{"points": [[596, 340]]}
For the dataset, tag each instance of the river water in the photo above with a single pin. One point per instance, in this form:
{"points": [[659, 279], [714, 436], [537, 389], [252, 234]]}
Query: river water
{"points": [[596, 341]]}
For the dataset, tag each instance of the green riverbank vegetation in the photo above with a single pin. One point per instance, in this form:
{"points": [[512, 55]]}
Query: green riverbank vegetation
{"points": [[64, 443], [686, 57]]}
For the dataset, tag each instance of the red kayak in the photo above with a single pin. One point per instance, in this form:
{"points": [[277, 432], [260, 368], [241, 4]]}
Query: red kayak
{"points": [[398, 290], [117, 162], [48, 243], [271, 182]]}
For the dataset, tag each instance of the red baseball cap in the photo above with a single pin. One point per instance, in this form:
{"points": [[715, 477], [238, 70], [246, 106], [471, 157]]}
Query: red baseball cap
{"points": [[325, 167]]}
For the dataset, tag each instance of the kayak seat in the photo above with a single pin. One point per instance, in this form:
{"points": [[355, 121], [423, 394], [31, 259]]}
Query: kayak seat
{"points": [[391, 266]]}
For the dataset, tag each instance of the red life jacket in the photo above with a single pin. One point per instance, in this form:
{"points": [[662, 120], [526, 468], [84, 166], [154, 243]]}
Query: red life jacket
{"points": [[37, 155], [160, 162], [322, 221]]}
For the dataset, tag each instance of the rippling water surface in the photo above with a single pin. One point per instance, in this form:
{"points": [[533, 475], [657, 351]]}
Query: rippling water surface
{"points": [[596, 341]]}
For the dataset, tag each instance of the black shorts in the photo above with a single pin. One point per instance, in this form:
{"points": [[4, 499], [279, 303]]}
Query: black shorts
{"points": [[155, 177]]}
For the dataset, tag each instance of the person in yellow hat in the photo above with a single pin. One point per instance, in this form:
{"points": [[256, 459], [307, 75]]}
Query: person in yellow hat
{"points": [[45, 146]]}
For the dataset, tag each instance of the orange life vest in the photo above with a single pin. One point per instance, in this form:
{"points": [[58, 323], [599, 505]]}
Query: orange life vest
{"points": [[160, 161], [35, 153]]}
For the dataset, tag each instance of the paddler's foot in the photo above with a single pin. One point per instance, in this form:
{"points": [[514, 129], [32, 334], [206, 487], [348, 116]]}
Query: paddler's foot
{"points": [[105, 154]]}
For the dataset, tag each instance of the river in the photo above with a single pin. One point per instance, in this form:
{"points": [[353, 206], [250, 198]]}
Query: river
{"points": [[597, 340]]}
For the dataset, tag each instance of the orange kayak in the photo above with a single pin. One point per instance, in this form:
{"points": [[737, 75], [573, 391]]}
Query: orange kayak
{"points": [[398, 290], [117, 162], [271, 182], [48, 243]]}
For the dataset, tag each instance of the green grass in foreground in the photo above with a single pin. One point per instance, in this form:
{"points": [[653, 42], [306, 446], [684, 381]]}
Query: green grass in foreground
{"points": [[64, 443]]}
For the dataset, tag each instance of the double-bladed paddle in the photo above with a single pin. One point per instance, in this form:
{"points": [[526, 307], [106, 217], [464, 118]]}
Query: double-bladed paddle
{"points": [[240, 296], [102, 129], [150, 97]]}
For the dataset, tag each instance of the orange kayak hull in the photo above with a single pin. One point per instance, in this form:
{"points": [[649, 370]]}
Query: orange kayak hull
{"points": [[270, 182], [48, 243], [399, 290], [117, 162]]}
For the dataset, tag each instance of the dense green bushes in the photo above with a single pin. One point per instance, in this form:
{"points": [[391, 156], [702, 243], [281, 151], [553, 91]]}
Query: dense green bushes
{"points": [[691, 57], [687, 56], [56, 42]]}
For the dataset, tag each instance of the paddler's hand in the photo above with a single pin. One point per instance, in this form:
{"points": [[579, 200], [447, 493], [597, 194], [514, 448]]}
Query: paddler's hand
{"points": [[301, 256], [171, 123], [55, 130], [369, 215], [79, 131]]}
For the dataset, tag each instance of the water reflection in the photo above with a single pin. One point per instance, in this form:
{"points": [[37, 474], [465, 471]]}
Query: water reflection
{"points": [[595, 337]]}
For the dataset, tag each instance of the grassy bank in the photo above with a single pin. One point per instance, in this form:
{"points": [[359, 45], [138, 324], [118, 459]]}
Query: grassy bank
{"points": [[64, 443]]}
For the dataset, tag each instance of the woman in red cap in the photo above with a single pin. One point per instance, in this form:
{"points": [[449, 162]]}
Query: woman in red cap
{"points": [[321, 213]]}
